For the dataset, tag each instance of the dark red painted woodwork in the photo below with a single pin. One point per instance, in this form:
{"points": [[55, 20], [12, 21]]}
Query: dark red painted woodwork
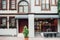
{"points": [[22, 23]]}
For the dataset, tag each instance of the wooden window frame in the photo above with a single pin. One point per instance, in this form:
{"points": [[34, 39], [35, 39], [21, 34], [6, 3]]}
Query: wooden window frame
{"points": [[19, 10], [1, 5], [45, 6], [54, 4], [38, 3], [11, 17], [11, 5], [1, 21], [23, 8]]}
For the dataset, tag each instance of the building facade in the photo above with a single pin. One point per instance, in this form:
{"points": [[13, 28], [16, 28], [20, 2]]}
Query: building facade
{"points": [[40, 16]]}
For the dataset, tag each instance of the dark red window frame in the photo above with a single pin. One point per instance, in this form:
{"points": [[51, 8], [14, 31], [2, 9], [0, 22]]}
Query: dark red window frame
{"points": [[2, 4], [10, 21], [1, 22], [10, 4]]}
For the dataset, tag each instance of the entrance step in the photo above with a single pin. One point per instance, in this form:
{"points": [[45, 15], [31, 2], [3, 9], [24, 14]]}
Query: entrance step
{"points": [[21, 35]]}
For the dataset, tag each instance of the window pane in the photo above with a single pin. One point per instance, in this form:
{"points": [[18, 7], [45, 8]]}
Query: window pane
{"points": [[53, 2], [37, 2], [0, 5], [26, 9], [3, 4], [20, 9], [3, 22], [43, 1], [47, 6], [43, 6], [47, 1], [12, 22], [13, 4]]}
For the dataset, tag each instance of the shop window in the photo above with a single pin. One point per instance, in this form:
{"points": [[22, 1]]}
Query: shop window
{"points": [[45, 5], [23, 7], [12, 5], [46, 25], [53, 2], [3, 4], [12, 22], [37, 2], [3, 22]]}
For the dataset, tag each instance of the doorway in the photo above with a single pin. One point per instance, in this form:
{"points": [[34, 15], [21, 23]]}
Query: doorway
{"points": [[21, 24]]}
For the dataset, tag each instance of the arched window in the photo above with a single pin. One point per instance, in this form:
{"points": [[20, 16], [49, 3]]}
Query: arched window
{"points": [[23, 6]]}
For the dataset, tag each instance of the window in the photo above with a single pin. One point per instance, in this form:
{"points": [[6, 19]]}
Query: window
{"points": [[12, 22], [23, 7], [45, 4], [3, 4], [12, 4], [53, 2], [46, 24], [37, 2], [58, 5], [0, 5], [3, 23]]}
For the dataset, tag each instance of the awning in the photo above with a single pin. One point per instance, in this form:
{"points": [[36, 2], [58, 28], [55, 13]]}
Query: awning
{"points": [[37, 16], [21, 16], [46, 16]]}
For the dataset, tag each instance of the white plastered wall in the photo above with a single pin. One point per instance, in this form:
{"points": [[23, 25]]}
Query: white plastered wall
{"points": [[37, 9], [8, 31], [31, 25]]}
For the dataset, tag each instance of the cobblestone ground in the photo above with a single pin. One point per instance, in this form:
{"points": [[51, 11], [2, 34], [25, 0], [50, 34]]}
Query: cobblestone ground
{"points": [[20, 38]]}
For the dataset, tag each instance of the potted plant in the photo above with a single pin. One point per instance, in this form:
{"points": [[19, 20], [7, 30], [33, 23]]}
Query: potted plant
{"points": [[25, 32]]}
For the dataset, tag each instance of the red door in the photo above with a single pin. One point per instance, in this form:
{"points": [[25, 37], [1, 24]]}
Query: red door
{"points": [[22, 23]]}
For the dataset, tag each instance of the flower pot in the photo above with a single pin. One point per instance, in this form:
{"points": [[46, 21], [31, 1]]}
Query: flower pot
{"points": [[26, 38]]}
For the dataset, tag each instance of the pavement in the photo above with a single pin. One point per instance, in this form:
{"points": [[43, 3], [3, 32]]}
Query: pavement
{"points": [[35, 38]]}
